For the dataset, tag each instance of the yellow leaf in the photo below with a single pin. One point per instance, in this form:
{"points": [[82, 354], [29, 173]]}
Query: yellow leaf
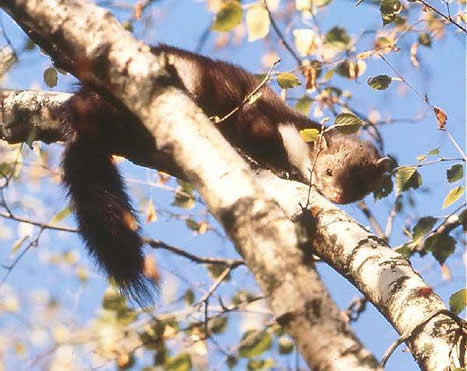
{"points": [[62, 214], [257, 21], [309, 135], [364, 55], [50, 77], [445, 272], [287, 80], [151, 215], [303, 4], [273, 5], [203, 227], [453, 195], [306, 41]]}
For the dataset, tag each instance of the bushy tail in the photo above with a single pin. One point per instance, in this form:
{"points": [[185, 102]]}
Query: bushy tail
{"points": [[107, 222]]}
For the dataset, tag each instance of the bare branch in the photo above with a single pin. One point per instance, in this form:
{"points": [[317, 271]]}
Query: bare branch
{"points": [[385, 277], [77, 34]]}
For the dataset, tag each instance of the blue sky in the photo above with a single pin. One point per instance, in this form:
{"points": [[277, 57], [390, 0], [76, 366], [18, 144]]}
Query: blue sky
{"points": [[181, 23]]}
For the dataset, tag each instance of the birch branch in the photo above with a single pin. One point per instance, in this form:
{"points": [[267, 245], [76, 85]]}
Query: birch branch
{"points": [[83, 38]]}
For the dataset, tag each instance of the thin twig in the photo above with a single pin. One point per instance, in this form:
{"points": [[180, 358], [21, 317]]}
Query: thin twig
{"points": [[437, 161], [409, 333], [459, 149], [405, 81], [157, 244], [391, 216], [214, 286], [356, 308], [448, 223], [448, 18], [374, 223], [10, 267], [203, 39], [8, 215], [248, 97], [281, 36]]}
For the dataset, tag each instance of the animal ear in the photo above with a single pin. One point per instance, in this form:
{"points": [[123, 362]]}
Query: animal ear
{"points": [[385, 163]]}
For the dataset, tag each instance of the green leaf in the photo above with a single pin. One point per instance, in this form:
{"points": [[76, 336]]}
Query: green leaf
{"points": [[347, 123], [406, 178], [337, 38], [287, 80], [232, 361], [260, 364], [50, 77], [126, 316], [257, 22], [152, 337], [254, 343], [189, 297], [453, 195], [441, 246], [113, 301], [423, 226], [184, 196], [192, 224], [463, 219], [309, 135], [379, 82], [186, 187], [217, 325], [454, 173], [5, 169], [458, 301], [424, 39], [242, 296], [229, 16], [434, 152], [389, 10], [277, 330], [303, 105], [180, 362], [384, 189], [332, 92], [161, 357], [215, 270], [406, 249], [285, 345], [183, 201], [351, 70]]}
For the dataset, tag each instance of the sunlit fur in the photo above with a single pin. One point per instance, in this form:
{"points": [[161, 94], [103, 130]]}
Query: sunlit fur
{"points": [[266, 130]]}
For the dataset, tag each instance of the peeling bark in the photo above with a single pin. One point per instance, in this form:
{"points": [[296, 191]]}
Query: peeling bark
{"points": [[274, 249]]}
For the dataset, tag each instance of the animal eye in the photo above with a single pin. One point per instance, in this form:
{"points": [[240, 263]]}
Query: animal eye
{"points": [[329, 172]]}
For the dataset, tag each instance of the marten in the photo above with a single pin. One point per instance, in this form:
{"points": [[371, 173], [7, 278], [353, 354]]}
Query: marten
{"points": [[343, 168]]}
